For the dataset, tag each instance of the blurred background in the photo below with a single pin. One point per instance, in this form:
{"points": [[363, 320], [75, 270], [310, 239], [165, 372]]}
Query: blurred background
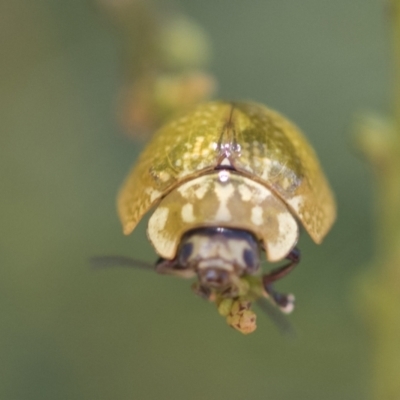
{"points": [[68, 332]]}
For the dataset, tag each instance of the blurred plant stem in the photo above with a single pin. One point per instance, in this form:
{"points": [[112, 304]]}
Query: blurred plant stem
{"points": [[164, 59], [379, 287]]}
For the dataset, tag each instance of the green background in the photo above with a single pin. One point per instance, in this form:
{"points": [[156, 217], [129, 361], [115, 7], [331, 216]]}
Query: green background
{"points": [[67, 332]]}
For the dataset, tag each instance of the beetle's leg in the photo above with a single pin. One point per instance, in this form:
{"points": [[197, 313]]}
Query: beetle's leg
{"points": [[284, 301], [279, 273], [202, 291], [171, 267]]}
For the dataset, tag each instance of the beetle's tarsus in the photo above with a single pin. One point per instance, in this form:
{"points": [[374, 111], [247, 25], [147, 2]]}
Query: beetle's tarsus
{"points": [[284, 301]]}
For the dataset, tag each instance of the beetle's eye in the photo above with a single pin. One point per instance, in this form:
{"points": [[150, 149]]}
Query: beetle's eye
{"points": [[184, 253], [249, 259]]}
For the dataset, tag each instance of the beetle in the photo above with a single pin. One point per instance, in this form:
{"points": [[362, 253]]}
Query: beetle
{"points": [[228, 181]]}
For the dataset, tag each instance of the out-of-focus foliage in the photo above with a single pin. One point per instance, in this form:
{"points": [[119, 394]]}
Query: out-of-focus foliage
{"points": [[378, 287], [69, 332], [165, 55]]}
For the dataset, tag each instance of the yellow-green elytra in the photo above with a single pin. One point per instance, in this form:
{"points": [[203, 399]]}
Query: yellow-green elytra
{"points": [[220, 169]]}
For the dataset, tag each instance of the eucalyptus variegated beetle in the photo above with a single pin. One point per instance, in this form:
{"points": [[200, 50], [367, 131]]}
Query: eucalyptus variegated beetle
{"points": [[228, 180]]}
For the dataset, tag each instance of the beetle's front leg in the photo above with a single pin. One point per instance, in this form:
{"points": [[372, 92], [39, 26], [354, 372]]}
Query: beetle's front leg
{"points": [[171, 267], [284, 301], [202, 291]]}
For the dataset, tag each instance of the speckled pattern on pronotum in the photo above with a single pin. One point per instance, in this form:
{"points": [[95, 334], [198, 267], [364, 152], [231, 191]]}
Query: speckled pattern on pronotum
{"points": [[227, 199]]}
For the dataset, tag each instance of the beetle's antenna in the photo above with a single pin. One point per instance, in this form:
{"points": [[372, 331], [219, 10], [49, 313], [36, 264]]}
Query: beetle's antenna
{"points": [[119, 261], [276, 316]]}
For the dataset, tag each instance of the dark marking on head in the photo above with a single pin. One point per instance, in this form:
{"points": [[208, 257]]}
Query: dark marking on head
{"points": [[185, 252], [248, 257]]}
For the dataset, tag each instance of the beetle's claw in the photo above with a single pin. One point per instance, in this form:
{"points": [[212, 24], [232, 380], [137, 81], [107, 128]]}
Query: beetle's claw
{"points": [[285, 302]]}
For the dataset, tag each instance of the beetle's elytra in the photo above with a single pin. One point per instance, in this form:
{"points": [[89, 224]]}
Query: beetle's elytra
{"points": [[228, 181]]}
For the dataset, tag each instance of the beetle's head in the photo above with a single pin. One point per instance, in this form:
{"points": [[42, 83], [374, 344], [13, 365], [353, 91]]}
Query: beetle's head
{"points": [[219, 255]]}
